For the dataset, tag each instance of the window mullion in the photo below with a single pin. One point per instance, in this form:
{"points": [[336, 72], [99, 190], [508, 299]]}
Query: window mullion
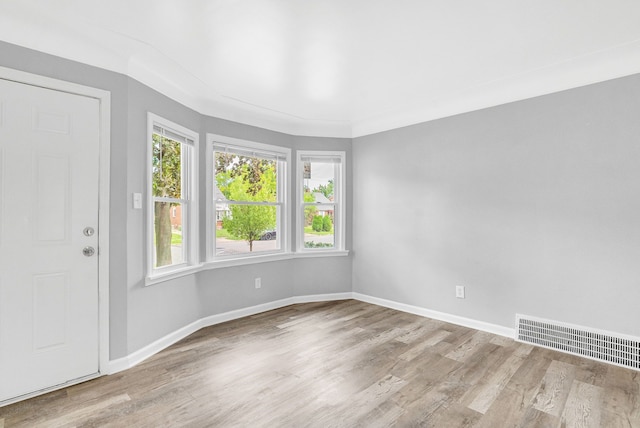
{"points": [[170, 200], [266, 204]]}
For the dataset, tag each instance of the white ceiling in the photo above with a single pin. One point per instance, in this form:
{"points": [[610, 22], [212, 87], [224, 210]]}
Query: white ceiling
{"points": [[338, 67]]}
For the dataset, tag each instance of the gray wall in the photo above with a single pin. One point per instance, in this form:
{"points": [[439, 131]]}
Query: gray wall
{"points": [[534, 206], [155, 311], [140, 315]]}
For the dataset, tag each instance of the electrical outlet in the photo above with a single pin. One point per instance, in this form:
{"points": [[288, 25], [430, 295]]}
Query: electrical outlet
{"points": [[460, 291], [258, 282]]}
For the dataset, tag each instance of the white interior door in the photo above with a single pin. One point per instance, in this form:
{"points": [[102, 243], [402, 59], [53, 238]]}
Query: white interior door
{"points": [[49, 154]]}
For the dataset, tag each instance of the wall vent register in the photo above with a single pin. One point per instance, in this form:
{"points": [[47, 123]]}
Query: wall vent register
{"points": [[594, 344]]}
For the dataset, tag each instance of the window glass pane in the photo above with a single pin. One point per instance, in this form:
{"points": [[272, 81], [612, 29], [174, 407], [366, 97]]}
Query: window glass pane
{"points": [[320, 231], [319, 203], [246, 229], [167, 167], [248, 197], [245, 178], [168, 225]]}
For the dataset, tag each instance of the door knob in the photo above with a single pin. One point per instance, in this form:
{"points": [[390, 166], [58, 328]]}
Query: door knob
{"points": [[88, 251]]}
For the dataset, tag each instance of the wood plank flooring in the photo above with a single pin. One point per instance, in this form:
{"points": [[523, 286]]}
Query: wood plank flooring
{"points": [[345, 364]]}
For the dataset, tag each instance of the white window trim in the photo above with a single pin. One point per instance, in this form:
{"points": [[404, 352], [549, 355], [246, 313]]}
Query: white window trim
{"points": [[155, 275], [284, 192], [339, 200]]}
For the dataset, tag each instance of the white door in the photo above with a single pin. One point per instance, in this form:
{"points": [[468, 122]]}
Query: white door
{"points": [[49, 146]]}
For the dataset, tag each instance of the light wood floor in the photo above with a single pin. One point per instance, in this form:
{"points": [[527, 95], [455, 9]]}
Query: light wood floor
{"points": [[345, 364]]}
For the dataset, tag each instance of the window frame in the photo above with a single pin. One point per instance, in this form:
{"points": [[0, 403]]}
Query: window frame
{"points": [[283, 201], [189, 201], [339, 203]]}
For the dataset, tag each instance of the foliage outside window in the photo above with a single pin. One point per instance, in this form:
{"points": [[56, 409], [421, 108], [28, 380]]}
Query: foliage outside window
{"points": [[321, 183], [249, 199], [172, 188]]}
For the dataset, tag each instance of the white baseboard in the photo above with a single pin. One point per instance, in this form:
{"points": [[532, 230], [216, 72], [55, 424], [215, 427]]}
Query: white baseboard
{"points": [[168, 340], [142, 354], [322, 297], [453, 319]]}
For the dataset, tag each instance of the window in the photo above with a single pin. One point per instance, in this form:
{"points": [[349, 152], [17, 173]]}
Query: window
{"points": [[249, 189], [321, 201], [172, 189]]}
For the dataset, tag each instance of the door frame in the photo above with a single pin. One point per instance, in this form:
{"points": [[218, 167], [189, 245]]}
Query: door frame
{"points": [[104, 100]]}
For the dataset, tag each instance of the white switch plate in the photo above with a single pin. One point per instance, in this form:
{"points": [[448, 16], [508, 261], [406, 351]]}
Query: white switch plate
{"points": [[258, 282], [460, 291], [137, 201]]}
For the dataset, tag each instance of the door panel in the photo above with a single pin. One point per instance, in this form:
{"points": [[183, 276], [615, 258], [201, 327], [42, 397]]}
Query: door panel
{"points": [[49, 145], [52, 199], [50, 297]]}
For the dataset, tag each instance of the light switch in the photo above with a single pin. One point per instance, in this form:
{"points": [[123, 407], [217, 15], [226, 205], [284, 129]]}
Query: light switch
{"points": [[137, 201]]}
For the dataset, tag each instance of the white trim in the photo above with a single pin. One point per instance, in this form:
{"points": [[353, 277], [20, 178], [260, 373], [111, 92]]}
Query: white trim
{"points": [[104, 99], [192, 261], [247, 260], [172, 274], [428, 313], [312, 298], [283, 202], [323, 253], [240, 143], [241, 261], [339, 202], [103, 224], [210, 212], [168, 340]]}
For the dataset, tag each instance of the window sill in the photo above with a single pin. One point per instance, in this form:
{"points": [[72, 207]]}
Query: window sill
{"points": [[240, 261], [173, 274], [247, 260], [322, 253]]}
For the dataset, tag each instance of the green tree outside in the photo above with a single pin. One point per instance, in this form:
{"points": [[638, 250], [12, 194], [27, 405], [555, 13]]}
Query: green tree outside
{"points": [[243, 179], [166, 182], [316, 224], [326, 224], [309, 210], [326, 190]]}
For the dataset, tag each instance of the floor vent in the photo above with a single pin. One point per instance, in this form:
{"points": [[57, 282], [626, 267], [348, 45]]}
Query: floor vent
{"points": [[585, 342]]}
